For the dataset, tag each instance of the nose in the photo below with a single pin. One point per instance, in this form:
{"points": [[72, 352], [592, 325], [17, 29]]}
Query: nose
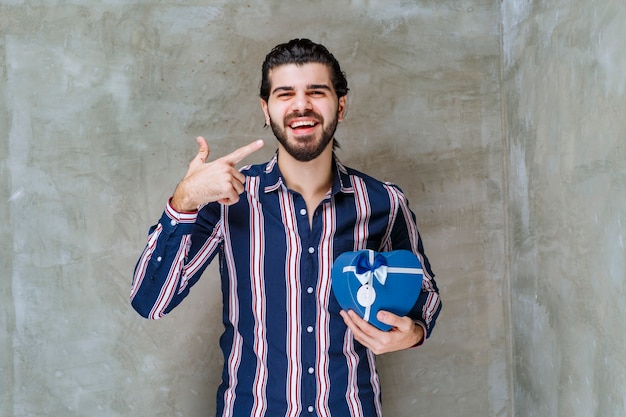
{"points": [[301, 102]]}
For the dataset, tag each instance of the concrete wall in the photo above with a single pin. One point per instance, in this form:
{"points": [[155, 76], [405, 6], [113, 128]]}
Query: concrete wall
{"points": [[565, 106], [99, 106]]}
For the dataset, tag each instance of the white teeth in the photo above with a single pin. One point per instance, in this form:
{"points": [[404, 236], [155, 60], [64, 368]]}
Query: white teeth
{"points": [[295, 125]]}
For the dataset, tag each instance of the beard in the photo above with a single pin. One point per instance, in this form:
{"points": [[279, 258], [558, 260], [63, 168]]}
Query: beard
{"points": [[304, 148]]}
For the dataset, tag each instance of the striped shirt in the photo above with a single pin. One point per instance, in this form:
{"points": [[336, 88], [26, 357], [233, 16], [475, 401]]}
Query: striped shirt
{"points": [[287, 351]]}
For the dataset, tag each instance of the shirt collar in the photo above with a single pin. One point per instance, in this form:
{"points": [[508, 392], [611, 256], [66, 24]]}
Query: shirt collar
{"points": [[341, 178]]}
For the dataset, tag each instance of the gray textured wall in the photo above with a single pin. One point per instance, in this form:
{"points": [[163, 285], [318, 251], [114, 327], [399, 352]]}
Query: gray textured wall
{"points": [[564, 94], [100, 106], [517, 185]]}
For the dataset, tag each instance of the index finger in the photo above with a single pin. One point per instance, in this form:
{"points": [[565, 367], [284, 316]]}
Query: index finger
{"points": [[241, 153]]}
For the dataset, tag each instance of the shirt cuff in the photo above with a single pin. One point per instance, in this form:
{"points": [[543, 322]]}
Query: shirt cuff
{"points": [[180, 216], [423, 339]]}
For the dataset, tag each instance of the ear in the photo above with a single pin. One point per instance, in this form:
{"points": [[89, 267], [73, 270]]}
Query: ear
{"points": [[341, 110], [265, 111]]}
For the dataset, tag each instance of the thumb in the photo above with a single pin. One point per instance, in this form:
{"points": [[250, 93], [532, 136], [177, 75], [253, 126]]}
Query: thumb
{"points": [[388, 318], [203, 149]]}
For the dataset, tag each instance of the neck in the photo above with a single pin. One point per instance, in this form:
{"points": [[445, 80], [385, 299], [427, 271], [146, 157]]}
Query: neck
{"points": [[311, 179]]}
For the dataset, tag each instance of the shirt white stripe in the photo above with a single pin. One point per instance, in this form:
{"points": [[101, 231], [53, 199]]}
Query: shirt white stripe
{"points": [[173, 277], [234, 357], [363, 211], [325, 256], [352, 359], [361, 234], [374, 380], [257, 254], [292, 276], [393, 214], [201, 257], [144, 259]]}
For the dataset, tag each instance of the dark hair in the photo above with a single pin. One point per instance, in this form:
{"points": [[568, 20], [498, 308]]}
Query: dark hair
{"points": [[299, 52]]}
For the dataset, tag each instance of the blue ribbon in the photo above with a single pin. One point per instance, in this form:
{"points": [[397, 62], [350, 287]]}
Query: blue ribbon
{"points": [[368, 266]]}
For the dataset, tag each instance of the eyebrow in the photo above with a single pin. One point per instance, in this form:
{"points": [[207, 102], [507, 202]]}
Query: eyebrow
{"points": [[309, 87]]}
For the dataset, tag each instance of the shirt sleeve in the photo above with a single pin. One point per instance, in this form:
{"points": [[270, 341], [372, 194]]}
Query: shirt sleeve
{"points": [[405, 235], [169, 264]]}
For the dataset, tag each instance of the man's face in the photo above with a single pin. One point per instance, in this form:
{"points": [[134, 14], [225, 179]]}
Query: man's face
{"points": [[303, 109]]}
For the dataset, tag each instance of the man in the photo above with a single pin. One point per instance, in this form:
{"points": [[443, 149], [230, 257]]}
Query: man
{"points": [[289, 349]]}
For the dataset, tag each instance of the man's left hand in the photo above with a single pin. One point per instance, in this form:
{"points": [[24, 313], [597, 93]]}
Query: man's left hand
{"points": [[404, 333]]}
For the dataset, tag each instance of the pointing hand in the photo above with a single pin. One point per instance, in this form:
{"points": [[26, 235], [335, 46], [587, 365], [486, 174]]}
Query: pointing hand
{"points": [[218, 180]]}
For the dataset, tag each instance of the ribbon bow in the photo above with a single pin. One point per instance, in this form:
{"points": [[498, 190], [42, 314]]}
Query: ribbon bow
{"points": [[368, 265], [371, 265]]}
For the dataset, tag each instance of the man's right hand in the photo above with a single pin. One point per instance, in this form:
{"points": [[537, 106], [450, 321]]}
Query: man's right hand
{"points": [[213, 181]]}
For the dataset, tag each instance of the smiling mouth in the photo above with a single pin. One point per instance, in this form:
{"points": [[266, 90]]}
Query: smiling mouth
{"points": [[301, 125]]}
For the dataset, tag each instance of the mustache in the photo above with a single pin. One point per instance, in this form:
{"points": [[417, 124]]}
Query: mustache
{"points": [[308, 113]]}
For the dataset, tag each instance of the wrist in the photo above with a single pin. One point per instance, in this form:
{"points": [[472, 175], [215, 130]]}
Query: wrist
{"points": [[180, 203], [180, 207], [420, 330]]}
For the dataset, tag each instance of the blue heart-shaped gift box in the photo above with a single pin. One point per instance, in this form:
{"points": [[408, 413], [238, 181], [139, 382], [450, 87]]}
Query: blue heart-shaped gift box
{"points": [[366, 281]]}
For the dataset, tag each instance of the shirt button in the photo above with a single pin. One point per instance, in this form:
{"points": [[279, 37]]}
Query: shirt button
{"points": [[309, 290], [303, 211], [173, 222], [311, 370], [311, 249], [159, 259], [310, 409], [309, 329]]}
